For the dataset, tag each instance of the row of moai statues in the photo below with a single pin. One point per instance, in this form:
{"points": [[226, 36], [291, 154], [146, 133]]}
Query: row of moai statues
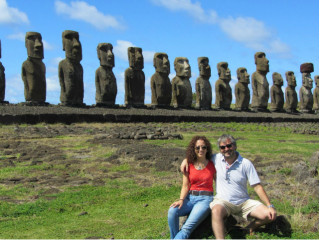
{"points": [[177, 93]]}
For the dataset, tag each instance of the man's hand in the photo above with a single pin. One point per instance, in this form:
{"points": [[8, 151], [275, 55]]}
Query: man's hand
{"points": [[272, 213], [184, 167]]}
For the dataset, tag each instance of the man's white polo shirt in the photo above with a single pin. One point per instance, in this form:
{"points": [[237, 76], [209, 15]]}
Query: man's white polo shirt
{"points": [[231, 184]]}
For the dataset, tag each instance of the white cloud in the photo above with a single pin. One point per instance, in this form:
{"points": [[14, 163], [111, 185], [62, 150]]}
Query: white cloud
{"points": [[53, 84], [81, 10], [14, 89], [10, 15], [121, 51], [246, 30], [17, 36], [46, 45], [193, 9]]}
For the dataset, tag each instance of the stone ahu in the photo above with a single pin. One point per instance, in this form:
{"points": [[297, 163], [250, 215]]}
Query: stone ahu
{"points": [[33, 71], [2, 81], [134, 79], [70, 71], [161, 88], [276, 93], [106, 84], [181, 86], [305, 94], [291, 95], [203, 86], [260, 85], [222, 87], [242, 91]]}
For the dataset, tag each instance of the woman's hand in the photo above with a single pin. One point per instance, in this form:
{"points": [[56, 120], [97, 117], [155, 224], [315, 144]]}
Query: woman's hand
{"points": [[178, 203]]}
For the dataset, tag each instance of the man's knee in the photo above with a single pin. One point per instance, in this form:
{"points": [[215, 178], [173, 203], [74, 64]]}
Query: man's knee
{"points": [[218, 212]]}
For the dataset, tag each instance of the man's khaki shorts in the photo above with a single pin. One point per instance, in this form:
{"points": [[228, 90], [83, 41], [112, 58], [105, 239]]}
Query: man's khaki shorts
{"points": [[242, 209]]}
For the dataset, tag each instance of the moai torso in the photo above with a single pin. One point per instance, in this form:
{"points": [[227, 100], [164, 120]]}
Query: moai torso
{"points": [[305, 94], [276, 93], [316, 94], [203, 86], [106, 85], [181, 86], [260, 85], [222, 87], [242, 91], [291, 96], [161, 88], [2, 82], [70, 70], [33, 69], [134, 79]]}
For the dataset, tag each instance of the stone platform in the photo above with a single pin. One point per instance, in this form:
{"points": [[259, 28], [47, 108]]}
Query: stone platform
{"points": [[17, 114]]}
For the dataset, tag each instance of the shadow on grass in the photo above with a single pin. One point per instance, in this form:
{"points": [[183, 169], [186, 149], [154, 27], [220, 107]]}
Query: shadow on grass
{"points": [[280, 228]]}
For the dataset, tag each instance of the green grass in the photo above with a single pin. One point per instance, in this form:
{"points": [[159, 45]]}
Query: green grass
{"points": [[116, 208]]}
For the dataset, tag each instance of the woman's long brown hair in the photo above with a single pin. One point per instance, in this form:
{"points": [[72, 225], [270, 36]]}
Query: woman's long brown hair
{"points": [[191, 154]]}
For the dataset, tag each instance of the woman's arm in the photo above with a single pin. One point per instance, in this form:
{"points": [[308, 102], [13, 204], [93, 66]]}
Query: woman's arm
{"points": [[184, 191]]}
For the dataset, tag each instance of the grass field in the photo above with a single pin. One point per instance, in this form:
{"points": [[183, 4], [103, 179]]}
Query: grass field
{"points": [[121, 207]]}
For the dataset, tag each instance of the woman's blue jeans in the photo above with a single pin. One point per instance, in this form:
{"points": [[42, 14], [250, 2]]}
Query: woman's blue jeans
{"points": [[197, 206]]}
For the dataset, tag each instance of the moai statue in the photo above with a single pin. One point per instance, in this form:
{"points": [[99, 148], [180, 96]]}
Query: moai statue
{"points": [[34, 71], [106, 84], [203, 86], [260, 85], [134, 79], [305, 94], [2, 81], [276, 93], [242, 91], [291, 95], [161, 88], [316, 95], [222, 87], [70, 71], [181, 86]]}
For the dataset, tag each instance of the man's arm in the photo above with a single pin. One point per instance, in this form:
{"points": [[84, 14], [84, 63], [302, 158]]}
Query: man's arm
{"points": [[264, 197], [184, 167]]}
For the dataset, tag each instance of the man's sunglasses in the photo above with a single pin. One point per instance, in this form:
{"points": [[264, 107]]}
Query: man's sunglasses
{"points": [[224, 147], [203, 147]]}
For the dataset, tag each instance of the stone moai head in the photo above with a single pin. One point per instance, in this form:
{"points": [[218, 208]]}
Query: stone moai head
{"points": [[316, 80], [243, 75], [277, 79], [291, 79], [135, 58], [71, 45], [105, 54], [34, 45], [223, 71], [262, 63], [306, 69], [204, 67], [182, 67], [161, 63]]}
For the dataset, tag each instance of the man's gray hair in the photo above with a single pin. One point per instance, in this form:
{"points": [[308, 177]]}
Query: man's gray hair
{"points": [[226, 137]]}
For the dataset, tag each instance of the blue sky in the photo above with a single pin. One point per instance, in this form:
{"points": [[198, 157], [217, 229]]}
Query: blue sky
{"points": [[232, 31]]}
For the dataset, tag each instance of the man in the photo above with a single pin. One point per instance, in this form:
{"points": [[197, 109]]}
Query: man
{"points": [[233, 172]]}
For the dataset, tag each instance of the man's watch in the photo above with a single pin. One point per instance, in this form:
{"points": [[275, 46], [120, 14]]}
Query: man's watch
{"points": [[271, 206]]}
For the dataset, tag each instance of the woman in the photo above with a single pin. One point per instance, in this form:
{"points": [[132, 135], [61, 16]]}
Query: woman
{"points": [[196, 192]]}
